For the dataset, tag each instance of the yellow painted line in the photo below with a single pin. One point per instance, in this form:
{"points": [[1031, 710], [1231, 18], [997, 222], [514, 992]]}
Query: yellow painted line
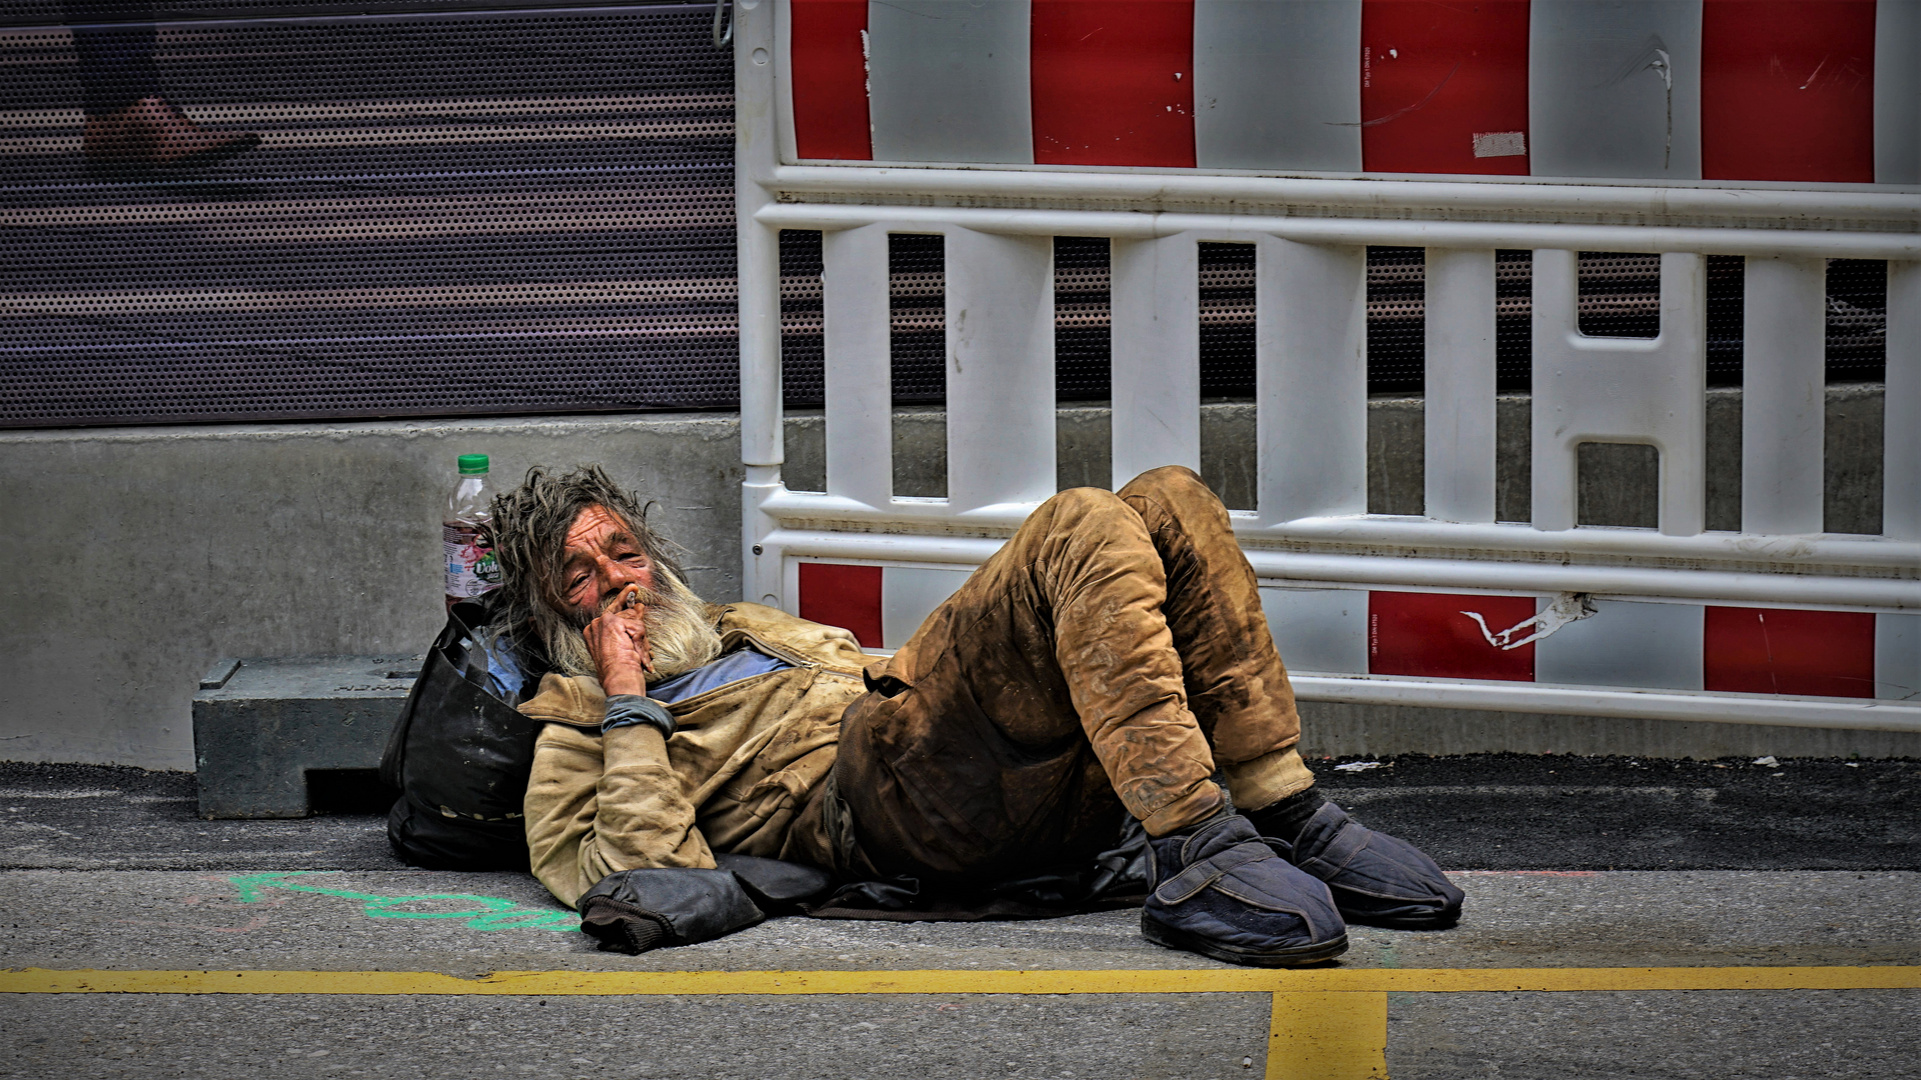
{"points": [[1206, 981], [1327, 1037]]}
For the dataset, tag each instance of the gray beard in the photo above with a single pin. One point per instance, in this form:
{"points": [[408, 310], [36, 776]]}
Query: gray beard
{"points": [[678, 634]]}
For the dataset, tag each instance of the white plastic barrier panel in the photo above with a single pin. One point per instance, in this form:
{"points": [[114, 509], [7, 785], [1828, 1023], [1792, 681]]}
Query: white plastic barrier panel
{"points": [[994, 130]]}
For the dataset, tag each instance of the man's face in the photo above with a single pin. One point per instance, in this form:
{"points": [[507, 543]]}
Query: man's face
{"points": [[602, 559]]}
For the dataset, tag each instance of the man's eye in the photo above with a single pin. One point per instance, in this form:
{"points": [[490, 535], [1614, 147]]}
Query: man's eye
{"points": [[633, 557]]}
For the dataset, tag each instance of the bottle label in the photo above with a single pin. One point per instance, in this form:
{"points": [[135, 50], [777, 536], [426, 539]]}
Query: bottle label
{"points": [[471, 567]]}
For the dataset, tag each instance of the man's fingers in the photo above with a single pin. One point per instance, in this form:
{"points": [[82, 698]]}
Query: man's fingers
{"points": [[634, 621], [620, 629]]}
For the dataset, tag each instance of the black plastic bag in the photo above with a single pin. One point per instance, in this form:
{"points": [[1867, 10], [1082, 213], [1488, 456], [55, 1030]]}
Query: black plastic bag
{"points": [[460, 756]]}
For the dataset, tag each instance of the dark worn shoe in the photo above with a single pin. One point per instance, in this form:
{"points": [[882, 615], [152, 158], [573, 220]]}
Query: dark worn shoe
{"points": [[1221, 891], [153, 134], [1377, 879]]}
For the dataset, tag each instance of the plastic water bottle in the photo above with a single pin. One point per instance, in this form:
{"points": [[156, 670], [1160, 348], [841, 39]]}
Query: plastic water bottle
{"points": [[471, 569]]}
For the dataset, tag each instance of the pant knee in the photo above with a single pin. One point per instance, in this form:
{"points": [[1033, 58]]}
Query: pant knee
{"points": [[1084, 506], [1170, 485]]}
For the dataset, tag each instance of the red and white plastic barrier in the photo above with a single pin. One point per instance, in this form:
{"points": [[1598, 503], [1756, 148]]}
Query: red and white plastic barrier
{"points": [[1032, 119], [1437, 635], [1819, 91]]}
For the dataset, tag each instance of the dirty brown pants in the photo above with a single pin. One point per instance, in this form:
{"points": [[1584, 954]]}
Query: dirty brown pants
{"points": [[1112, 653]]}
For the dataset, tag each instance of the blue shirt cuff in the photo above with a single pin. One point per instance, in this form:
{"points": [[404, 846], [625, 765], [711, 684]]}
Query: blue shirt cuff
{"points": [[626, 710]]}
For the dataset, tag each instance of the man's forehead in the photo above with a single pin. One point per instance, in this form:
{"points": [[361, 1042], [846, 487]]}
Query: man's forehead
{"points": [[594, 527]]}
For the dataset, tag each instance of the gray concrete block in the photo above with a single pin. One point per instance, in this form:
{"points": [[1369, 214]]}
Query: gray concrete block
{"points": [[259, 725], [1853, 463]]}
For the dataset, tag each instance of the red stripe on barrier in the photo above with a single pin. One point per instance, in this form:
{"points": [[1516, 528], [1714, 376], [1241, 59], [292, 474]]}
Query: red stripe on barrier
{"points": [[829, 68], [841, 595], [1427, 634], [1783, 651], [1113, 82], [1787, 90], [1444, 86]]}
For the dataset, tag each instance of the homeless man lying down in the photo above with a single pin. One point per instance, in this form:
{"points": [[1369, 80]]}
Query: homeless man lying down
{"points": [[1098, 713]]}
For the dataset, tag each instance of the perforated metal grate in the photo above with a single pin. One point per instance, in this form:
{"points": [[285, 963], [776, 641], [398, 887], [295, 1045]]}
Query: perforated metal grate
{"points": [[917, 302], [1227, 320], [803, 352], [520, 206], [56, 12], [1396, 314], [1083, 335], [1513, 320], [1726, 278], [446, 213], [1857, 320], [1619, 296]]}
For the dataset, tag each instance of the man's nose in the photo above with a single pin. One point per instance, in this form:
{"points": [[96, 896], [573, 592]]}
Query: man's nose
{"points": [[616, 575]]}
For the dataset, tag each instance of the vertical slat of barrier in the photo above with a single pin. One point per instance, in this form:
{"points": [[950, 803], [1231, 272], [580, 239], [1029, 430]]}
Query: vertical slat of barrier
{"points": [[1683, 382], [1000, 368], [1460, 385], [1627, 390], [1310, 349], [1783, 396], [860, 433], [758, 250], [1554, 472], [1156, 304], [1901, 438]]}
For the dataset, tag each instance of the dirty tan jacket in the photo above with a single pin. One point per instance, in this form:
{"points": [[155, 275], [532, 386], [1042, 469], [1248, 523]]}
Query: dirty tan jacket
{"points": [[735, 776]]}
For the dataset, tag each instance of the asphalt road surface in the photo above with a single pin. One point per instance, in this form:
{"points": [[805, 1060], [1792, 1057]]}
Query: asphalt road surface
{"points": [[1485, 811], [1634, 869]]}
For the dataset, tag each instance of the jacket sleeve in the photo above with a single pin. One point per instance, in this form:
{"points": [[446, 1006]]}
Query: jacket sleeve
{"points": [[601, 803]]}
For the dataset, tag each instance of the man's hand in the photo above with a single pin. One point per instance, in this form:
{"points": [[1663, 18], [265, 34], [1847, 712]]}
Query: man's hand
{"points": [[617, 641]]}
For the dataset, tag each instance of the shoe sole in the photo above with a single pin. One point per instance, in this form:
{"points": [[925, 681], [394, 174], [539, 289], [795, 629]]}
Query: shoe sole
{"points": [[1296, 956], [1418, 922], [1428, 920], [207, 159], [147, 170]]}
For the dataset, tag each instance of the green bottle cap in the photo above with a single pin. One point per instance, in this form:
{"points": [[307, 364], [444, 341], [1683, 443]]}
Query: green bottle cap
{"points": [[473, 464]]}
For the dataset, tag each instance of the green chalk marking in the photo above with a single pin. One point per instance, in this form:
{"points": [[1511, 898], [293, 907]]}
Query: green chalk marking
{"points": [[482, 913]]}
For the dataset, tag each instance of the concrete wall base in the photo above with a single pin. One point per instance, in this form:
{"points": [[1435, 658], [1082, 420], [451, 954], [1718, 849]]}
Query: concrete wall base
{"points": [[1618, 484], [130, 558]]}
